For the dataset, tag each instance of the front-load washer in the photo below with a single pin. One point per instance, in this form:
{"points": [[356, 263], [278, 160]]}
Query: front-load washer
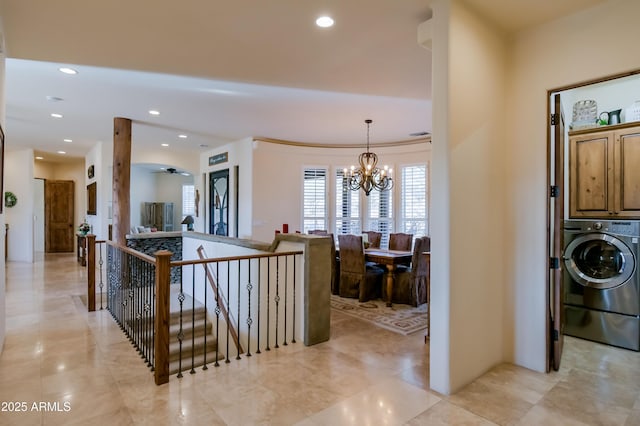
{"points": [[602, 281]]}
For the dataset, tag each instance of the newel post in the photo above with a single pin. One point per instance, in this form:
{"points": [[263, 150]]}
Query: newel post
{"points": [[163, 272], [91, 272]]}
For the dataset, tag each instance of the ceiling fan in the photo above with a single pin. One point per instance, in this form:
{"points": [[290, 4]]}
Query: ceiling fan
{"points": [[173, 171]]}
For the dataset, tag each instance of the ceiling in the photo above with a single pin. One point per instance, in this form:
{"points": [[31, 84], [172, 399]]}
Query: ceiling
{"points": [[222, 71]]}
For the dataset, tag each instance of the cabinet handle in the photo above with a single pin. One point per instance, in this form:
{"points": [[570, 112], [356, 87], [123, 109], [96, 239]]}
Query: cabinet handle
{"points": [[616, 212]]}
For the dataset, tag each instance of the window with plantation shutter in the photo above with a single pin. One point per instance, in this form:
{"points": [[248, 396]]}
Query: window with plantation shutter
{"points": [[380, 214], [314, 199], [188, 200], [413, 200], [347, 207]]}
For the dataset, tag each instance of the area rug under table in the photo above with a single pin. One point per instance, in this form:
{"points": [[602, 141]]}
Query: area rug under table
{"points": [[403, 319]]}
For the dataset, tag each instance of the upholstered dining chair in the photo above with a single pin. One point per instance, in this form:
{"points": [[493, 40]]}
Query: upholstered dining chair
{"points": [[356, 278], [400, 241], [373, 238], [412, 284]]}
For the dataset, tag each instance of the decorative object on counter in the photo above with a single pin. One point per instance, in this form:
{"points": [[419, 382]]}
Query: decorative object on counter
{"points": [[10, 199], [368, 176], [188, 220], [585, 114], [632, 112], [614, 117], [603, 118], [84, 228]]}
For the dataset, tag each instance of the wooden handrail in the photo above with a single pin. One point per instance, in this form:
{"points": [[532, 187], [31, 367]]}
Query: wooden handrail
{"points": [[230, 258], [218, 292], [133, 252]]}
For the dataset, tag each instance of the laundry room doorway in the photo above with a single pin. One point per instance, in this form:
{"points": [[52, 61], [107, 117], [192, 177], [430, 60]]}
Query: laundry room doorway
{"points": [[610, 95]]}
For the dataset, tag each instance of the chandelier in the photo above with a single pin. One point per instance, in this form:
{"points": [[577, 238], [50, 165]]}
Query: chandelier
{"points": [[368, 176]]}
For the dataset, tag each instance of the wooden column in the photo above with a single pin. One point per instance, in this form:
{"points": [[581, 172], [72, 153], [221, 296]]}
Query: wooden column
{"points": [[121, 179], [163, 279], [91, 272]]}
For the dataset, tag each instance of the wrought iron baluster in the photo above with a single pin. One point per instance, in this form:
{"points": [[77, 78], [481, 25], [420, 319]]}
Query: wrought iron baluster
{"points": [[268, 300], [293, 334], [206, 312], [286, 295], [217, 364], [259, 314], [180, 330], [228, 320], [249, 320], [277, 298], [193, 324], [238, 313]]}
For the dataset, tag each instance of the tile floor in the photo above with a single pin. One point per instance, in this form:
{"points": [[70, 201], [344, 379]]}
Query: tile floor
{"points": [[81, 364]]}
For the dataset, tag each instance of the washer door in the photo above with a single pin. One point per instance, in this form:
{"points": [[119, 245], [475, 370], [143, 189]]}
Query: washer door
{"points": [[599, 261]]}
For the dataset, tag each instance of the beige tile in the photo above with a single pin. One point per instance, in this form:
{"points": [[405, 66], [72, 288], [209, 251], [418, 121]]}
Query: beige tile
{"points": [[491, 402], [56, 351], [444, 413], [390, 402], [540, 415], [590, 398]]}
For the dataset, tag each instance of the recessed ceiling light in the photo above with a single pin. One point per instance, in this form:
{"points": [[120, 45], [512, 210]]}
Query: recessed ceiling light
{"points": [[204, 145], [56, 115], [39, 158], [154, 112], [68, 70], [324, 22], [165, 144], [68, 140], [54, 99], [61, 152], [182, 136], [185, 174]]}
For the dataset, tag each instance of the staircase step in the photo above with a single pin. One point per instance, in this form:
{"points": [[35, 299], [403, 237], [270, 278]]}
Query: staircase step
{"points": [[187, 344], [198, 362]]}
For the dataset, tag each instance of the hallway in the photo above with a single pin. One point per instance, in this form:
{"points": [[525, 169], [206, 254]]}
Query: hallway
{"points": [[82, 364]]}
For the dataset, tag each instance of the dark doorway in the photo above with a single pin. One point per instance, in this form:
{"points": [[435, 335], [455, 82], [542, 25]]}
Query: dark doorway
{"points": [[59, 208], [219, 202]]}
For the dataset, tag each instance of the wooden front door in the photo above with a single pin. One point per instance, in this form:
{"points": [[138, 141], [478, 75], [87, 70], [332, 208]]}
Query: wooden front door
{"points": [[59, 208]]}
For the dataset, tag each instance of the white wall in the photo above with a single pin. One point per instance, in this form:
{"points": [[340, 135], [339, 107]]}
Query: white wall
{"points": [[278, 171], [2, 216], [169, 190], [468, 173], [18, 179], [240, 153], [567, 51]]}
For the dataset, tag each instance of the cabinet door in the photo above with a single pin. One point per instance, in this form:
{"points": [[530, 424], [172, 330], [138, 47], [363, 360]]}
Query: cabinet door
{"points": [[627, 176], [591, 175]]}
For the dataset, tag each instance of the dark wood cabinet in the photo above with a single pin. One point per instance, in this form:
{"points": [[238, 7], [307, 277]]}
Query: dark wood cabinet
{"points": [[604, 177]]}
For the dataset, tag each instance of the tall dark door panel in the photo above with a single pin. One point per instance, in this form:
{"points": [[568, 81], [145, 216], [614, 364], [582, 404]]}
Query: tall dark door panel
{"points": [[59, 208], [219, 202]]}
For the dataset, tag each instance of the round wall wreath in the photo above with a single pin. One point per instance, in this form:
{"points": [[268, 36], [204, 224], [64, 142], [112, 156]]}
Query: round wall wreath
{"points": [[10, 199]]}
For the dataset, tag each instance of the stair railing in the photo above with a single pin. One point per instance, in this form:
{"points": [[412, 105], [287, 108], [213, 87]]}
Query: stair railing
{"points": [[220, 299], [95, 247]]}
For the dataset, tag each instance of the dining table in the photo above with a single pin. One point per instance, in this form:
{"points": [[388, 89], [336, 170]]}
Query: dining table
{"points": [[390, 259]]}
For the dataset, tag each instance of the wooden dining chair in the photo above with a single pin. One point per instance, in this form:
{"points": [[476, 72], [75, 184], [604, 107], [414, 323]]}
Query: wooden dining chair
{"points": [[412, 284], [357, 279], [400, 241], [373, 238]]}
